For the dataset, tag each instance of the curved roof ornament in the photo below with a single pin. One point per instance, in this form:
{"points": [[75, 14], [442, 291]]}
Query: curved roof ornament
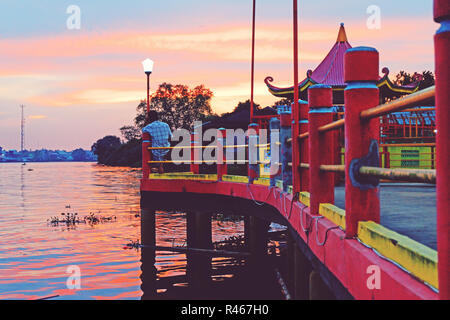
{"points": [[331, 72]]}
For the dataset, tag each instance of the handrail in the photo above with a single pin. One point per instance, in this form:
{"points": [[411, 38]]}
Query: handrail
{"points": [[208, 147], [333, 168], [413, 100], [411, 175], [408, 145], [303, 135], [332, 126]]}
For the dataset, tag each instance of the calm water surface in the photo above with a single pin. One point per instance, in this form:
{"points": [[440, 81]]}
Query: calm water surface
{"points": [[35, 255]]}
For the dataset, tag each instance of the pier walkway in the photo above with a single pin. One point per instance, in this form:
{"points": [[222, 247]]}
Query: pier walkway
{"points": [[360, 241]]}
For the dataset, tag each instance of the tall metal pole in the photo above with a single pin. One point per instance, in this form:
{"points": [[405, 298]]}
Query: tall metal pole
{"points": [[148, 92], [253, 62], [22, 129], [295, 111]]}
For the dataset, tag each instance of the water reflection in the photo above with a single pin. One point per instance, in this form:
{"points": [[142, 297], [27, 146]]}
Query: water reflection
{"points": [[34, 255]]}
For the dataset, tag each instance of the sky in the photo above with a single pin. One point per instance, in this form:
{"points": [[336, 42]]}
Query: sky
{"points": [[80, 84]]}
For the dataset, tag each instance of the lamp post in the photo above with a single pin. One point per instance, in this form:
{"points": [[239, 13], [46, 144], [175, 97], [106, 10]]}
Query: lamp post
{"points": [[148, 69]]}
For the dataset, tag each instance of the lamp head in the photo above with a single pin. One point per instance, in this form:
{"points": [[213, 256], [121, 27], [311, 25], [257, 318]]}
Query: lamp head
{"points": [[148, 66]]}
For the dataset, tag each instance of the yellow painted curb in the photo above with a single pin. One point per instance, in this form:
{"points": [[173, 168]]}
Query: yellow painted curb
{"points": [[333, 213], [415, 257]]}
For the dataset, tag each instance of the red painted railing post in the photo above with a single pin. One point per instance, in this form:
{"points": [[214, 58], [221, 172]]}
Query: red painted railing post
{"points": [[221, 153], [146, 155], [252, 151], [321, 184], [442, 57], [362, 202], [303, 145], [195, 167]]}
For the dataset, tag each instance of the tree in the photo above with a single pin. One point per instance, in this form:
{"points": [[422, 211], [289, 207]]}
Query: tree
{"points": [[243, 106], [79, 155], [130, 133], [178, 105], [105, 147], [284, 102]]}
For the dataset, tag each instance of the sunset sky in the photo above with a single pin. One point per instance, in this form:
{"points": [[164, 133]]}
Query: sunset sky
{"points": [[80, 85]]}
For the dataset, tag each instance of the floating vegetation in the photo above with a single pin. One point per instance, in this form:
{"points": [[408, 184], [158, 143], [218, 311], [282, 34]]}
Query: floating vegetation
{"points": [[133, 245], [72, 219], [233, 243]]}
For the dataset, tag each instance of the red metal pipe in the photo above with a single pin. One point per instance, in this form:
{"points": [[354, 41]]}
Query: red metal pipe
{"points": [[253, 62], [146, 155], [321, 183], [442, 57], [361, 66], [148, 93], [295, 110]]}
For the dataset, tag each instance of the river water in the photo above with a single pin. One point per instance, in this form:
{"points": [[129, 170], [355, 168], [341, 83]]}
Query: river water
{"points": [[36, 256]]}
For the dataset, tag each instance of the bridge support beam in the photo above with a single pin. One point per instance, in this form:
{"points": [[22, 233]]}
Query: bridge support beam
{"points": [[362, 202], [301, 275], [442, 53], [318, 290], [199, 235], [258, 237], [148, 241]]}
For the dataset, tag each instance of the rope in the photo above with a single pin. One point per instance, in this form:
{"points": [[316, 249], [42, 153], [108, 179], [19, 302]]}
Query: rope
{"points": [[294, 198], [253, 198], [305, 230], [321, 244]]}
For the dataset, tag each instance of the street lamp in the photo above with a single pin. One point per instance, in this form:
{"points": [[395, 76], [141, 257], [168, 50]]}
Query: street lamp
{"points": [[148, 69]]}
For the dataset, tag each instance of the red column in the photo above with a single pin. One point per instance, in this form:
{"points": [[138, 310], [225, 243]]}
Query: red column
{"points": [[195, 168], [321, 184], [303, 145], [361, 66], [146, 155], [221, 153], [442, 56], [253, 169]]}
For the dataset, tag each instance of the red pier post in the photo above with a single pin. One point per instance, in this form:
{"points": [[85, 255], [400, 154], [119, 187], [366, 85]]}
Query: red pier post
{"points": [[303, 145], [221, 153], [146, 155], [195, 167], [362, 202], [252, 151], [442, 57], [321, 184]]}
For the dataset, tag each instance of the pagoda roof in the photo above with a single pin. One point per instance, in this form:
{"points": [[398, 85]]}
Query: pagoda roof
{"points": [[331, 72]]}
